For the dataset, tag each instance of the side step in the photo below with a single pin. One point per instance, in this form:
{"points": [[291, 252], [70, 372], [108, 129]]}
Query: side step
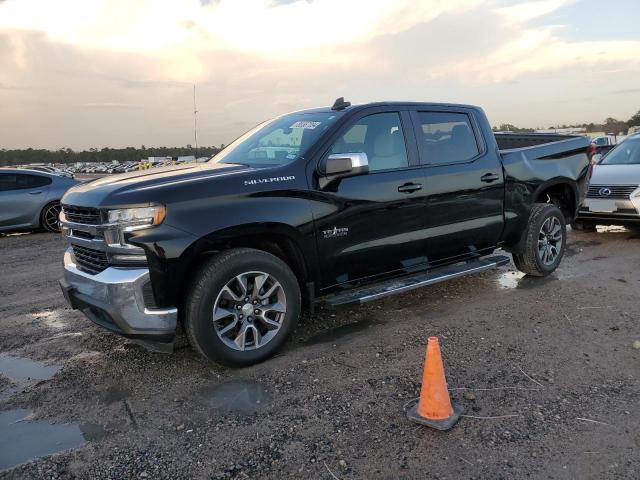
{"points": [[391, 287]]}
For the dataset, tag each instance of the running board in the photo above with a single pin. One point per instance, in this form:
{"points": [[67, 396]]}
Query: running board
{"points": [[405, 284]]}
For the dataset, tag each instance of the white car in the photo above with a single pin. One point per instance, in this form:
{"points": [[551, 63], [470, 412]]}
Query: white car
{"points": [[613, 197]]}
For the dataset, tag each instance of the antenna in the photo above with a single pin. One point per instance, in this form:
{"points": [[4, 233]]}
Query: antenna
{"points": [[340, 104], [195, 120]]}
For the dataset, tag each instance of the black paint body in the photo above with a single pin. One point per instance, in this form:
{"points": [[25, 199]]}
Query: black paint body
{"points": [[210, 207]]}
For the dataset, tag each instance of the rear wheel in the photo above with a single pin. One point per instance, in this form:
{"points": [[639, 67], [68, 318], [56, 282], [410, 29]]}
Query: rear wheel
{"points": [[49, 217], [543, 242], [242, 306]]}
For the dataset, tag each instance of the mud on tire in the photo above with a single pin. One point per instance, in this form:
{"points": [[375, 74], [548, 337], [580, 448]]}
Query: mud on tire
{"points": [[531, 255]]}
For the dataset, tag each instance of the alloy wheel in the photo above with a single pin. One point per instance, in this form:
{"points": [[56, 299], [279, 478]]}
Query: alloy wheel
{"points": [[51, 217], [550, 240], [249, 310]]}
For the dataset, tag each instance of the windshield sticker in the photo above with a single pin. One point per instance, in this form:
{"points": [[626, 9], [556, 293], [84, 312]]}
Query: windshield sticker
{"points": [[305, 125], [258, 181]]}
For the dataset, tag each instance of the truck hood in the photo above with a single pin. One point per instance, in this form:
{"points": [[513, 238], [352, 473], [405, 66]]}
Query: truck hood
{"points": [[616, 175], [122, 188]]}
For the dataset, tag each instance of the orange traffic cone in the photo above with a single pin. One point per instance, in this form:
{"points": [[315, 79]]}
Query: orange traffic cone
{"points": [[434, 408]]}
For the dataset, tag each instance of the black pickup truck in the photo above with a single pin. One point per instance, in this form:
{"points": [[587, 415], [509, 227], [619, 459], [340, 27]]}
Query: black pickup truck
{"points": [[339, 205]]}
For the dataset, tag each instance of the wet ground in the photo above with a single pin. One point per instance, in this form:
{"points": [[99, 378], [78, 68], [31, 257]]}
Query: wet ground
{"points": [[546, 369]]}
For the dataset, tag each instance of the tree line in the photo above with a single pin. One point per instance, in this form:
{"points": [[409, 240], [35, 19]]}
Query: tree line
{"points": [[122, 155], [610, 125]]}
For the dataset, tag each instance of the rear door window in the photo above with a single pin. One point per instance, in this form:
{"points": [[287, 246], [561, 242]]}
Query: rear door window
{"points": [[446, 137]]}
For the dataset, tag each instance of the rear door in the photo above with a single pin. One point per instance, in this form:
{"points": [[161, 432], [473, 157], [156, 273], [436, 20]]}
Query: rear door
{"points": [[22, 196], [371, 225], [464, 184]]}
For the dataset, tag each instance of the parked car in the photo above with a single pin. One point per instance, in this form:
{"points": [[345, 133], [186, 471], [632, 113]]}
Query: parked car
{"points": [[46, 169], [30, 199], [338, 205], [614, 194]]}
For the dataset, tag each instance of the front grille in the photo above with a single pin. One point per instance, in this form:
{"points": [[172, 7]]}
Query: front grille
{"points": [[81, 234], [619, 192], [86, 215], [90, 260]]}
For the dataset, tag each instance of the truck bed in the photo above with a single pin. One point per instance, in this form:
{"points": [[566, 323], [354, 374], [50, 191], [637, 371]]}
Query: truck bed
{"points": [[510, 141], [531, 146]]}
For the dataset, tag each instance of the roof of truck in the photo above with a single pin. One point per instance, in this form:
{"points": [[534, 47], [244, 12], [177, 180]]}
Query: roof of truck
{"points": [[360, 106]]}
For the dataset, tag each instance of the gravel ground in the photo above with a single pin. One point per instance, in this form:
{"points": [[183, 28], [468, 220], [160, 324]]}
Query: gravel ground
{"points": [[554, 357]]}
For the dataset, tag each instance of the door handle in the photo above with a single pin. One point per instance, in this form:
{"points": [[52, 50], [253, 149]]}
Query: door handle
{"points": [[410, 187], [489, 177], [37, 192]]}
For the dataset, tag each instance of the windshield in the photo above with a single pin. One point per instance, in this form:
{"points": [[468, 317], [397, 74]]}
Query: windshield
{"points": [[278, 141], [627, 153]]}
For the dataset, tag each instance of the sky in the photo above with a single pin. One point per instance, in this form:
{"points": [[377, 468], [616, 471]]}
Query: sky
{"points": [[116, 73]]}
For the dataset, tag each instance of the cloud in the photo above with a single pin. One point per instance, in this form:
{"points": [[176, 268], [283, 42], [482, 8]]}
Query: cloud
{"points": [[120, 72]]}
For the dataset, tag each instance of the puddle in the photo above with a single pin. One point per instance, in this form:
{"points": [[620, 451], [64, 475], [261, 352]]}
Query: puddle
{"points": [[22, 370], [509, 280], [239, 396], [22, 439], [338, 332], [611, 229], [514, 279]]}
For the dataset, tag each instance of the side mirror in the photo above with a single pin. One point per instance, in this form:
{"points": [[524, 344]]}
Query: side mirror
{"points": [[596, 158], [345, 164]]}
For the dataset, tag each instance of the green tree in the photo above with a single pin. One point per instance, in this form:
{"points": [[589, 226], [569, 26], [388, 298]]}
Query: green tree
{"points": [[634, 121]]}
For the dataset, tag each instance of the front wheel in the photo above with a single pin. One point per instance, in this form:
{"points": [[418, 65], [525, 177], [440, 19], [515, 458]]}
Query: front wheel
{"points": [[242, 306], [543, 242]]}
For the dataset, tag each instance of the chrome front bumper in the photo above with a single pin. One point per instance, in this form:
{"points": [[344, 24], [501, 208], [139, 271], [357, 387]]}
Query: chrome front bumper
{"points": [[114, 300]]}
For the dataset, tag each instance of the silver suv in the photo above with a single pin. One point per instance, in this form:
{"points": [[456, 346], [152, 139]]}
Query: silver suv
{"points": [[613, 197]]}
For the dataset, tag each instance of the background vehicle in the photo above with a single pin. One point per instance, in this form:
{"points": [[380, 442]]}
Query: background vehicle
{"points": [[30, 199], [604, 144], [339, 205], [614, 193], [52, 170]]}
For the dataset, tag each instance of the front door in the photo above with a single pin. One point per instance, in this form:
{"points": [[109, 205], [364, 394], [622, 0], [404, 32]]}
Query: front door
{"points": [[371, 225], [464, 185]]}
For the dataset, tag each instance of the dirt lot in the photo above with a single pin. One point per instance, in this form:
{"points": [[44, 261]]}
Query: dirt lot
{"points": [[554, 358]]}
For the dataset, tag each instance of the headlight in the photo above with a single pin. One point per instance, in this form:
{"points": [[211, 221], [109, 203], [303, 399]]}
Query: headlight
{"points": [[137, 217]]}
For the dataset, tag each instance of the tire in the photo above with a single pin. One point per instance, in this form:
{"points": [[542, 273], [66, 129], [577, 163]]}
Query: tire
{"points": [[221, 288], [528, 257], [50, 212], [584, 226]]}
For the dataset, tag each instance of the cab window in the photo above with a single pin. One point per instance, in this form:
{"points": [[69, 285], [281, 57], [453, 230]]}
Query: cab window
{"points": [[381, 137], [447, 137]]}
